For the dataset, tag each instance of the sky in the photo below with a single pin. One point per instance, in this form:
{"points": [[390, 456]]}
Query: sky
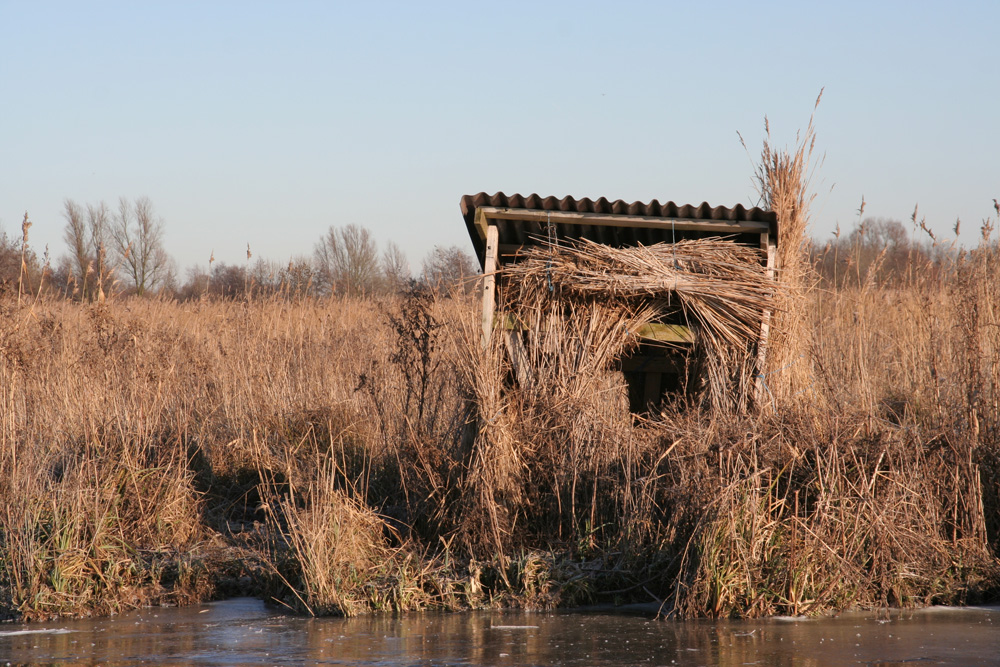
{"points": [[266, 123]]}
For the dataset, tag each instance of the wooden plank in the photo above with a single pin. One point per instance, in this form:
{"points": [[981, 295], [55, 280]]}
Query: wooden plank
{"points": [[652, 331], [511, 323], [506, 250], [489, 282], [518, 357], [666, 333], [613, 220]]}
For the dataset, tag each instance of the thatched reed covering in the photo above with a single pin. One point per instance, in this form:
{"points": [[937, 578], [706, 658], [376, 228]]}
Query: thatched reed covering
{"points": [[717, 287], [720, 286]]}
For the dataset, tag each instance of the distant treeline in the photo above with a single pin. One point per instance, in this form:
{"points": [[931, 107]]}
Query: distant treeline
{"points": [[121, 252], [883, 251]]}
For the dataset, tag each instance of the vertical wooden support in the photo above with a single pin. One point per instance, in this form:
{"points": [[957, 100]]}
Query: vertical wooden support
{"points": [[518, 357], [489, 281], [769, 246]]}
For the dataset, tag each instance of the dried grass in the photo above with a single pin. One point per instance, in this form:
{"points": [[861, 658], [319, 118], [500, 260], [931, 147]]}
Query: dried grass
{"points": [[719, 285], [716, 286], [143, 431], [335, 541]]}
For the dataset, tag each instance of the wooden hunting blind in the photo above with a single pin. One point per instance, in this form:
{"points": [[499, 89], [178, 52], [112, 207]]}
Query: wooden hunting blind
{"points": [[502, 227]]}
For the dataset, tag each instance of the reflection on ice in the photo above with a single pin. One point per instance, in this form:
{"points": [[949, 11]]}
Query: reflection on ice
{"points": [[245, 632], [43, 631]]}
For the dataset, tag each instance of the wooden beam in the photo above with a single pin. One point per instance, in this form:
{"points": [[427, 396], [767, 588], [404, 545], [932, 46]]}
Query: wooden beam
{"points": [[666, 333], [508, 250], [481, 223], [489, 282], [765, 248], [613, 220]]}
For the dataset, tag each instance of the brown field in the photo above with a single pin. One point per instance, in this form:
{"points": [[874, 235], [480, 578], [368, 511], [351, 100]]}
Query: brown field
{"points": [[348, 455]]}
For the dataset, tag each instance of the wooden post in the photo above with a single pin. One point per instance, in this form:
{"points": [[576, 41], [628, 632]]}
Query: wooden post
{"points": [[489, 281], [768, 245], [518, 357]]}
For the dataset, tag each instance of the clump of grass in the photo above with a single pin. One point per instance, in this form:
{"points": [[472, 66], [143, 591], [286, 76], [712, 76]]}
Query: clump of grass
{"points": [[416, 402], [84, 532], [335, 542], [797, 528]]}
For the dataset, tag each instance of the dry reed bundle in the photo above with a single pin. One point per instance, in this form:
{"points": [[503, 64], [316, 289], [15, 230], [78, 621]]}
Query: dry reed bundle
{"points": [[720, 288], [717, 283], [783, 178], [336, 540], [545, 447], [890, 521]]}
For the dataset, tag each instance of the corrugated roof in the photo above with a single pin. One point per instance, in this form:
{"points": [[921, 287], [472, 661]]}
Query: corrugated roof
{"points": [[520, 231]]}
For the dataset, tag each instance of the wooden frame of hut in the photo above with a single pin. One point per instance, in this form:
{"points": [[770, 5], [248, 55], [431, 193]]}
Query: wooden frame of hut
{"points": [[502, 227]]}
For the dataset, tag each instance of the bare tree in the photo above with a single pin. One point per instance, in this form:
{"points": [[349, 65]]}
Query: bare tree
{"points": [[295, 279], [10, 261], [137, 234], [86, 235], [99, 224], [98, 220], [878, 249], [347, 260], [395, 267], [196, 286], [449, 269], [228, 281], [298, 278], [75, 236]]}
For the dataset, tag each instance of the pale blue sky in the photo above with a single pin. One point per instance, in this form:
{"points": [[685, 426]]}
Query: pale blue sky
{"points": [[265, 123]]}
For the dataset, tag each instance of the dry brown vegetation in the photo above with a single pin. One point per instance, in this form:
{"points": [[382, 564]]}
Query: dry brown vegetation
{"points": [[344, 455], [357, 454], [716, 286]]}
